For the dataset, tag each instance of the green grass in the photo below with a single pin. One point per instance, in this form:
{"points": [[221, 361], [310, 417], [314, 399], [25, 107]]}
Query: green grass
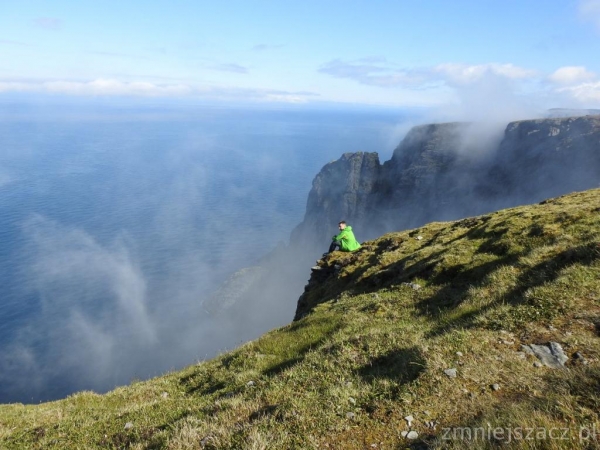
{"points": [[371, 349]]}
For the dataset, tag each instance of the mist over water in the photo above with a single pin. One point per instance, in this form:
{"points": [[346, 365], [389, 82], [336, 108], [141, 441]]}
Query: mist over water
{"points": [[115, 226]]}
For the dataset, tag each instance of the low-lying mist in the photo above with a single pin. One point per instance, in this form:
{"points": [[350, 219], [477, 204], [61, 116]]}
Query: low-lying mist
{"points": [[123, 233], [136, 247]]}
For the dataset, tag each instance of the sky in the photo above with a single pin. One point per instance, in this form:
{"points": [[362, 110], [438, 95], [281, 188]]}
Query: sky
{"points": [[398, 53]]}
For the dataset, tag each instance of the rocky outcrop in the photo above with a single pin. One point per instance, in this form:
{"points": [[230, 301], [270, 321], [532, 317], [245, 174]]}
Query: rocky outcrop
{"points": [[544, 158], [551, 355], [447, 171], [429, 173]]}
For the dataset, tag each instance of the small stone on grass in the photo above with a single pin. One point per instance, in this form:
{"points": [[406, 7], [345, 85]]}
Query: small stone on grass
{"points": [[450, 372]]}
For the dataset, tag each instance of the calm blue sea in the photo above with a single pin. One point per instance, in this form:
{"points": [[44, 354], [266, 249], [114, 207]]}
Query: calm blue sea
{"points": [[115, 223]]}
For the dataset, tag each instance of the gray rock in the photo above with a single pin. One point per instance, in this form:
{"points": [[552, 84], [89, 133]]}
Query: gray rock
{"points": [[412, 435], [128, 425], [551, 355], [451, 373], [527, 349], [350, 415]]}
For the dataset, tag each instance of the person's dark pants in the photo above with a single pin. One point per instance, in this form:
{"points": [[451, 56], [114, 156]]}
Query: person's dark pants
{"points": [[334, 245]]}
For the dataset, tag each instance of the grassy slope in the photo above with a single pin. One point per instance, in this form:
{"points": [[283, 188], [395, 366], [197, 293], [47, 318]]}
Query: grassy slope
{"points": [[373, 350]]}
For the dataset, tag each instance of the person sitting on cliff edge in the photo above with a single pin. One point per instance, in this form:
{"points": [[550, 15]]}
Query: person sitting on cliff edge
{"points": [[344, 241]]}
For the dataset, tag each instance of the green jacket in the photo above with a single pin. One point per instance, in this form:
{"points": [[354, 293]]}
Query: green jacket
{"points": [[348, 242]]}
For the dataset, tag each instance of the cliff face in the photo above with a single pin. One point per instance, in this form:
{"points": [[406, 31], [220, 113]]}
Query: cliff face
{"points": [[447, 171], [544, 158], [343, 188]]}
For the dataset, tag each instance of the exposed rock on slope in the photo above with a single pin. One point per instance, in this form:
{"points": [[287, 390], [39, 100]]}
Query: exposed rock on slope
{"points": [[544, 158]]}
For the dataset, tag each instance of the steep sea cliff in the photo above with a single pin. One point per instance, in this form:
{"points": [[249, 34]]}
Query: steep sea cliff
{"points": [[438, 172], [453, 170]]}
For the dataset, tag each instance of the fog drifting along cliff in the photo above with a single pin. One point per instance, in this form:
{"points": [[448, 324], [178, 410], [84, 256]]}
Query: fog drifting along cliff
{"points": [[439, 172], [448, 171]]}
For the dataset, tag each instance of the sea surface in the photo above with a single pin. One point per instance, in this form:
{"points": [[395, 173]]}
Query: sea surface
{"points": [[115, 224]]}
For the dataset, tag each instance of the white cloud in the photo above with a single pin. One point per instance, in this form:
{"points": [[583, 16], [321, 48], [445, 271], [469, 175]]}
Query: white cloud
{"points": [[115, 87], [571, 75], [590, 11], [585, 93], [465, 74], [111, 87], [286, 98], [376, 72], [99, 87], [492, 90]]}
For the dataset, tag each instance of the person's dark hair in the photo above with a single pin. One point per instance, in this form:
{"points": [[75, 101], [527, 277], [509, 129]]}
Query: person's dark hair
{"points": [[342, 222]]}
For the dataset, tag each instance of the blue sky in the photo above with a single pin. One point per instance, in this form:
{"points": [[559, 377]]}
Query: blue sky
{"points": [[425, 53]]}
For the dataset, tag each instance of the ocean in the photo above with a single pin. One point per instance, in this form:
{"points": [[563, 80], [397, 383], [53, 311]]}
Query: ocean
{"points": [[116, 222]]}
